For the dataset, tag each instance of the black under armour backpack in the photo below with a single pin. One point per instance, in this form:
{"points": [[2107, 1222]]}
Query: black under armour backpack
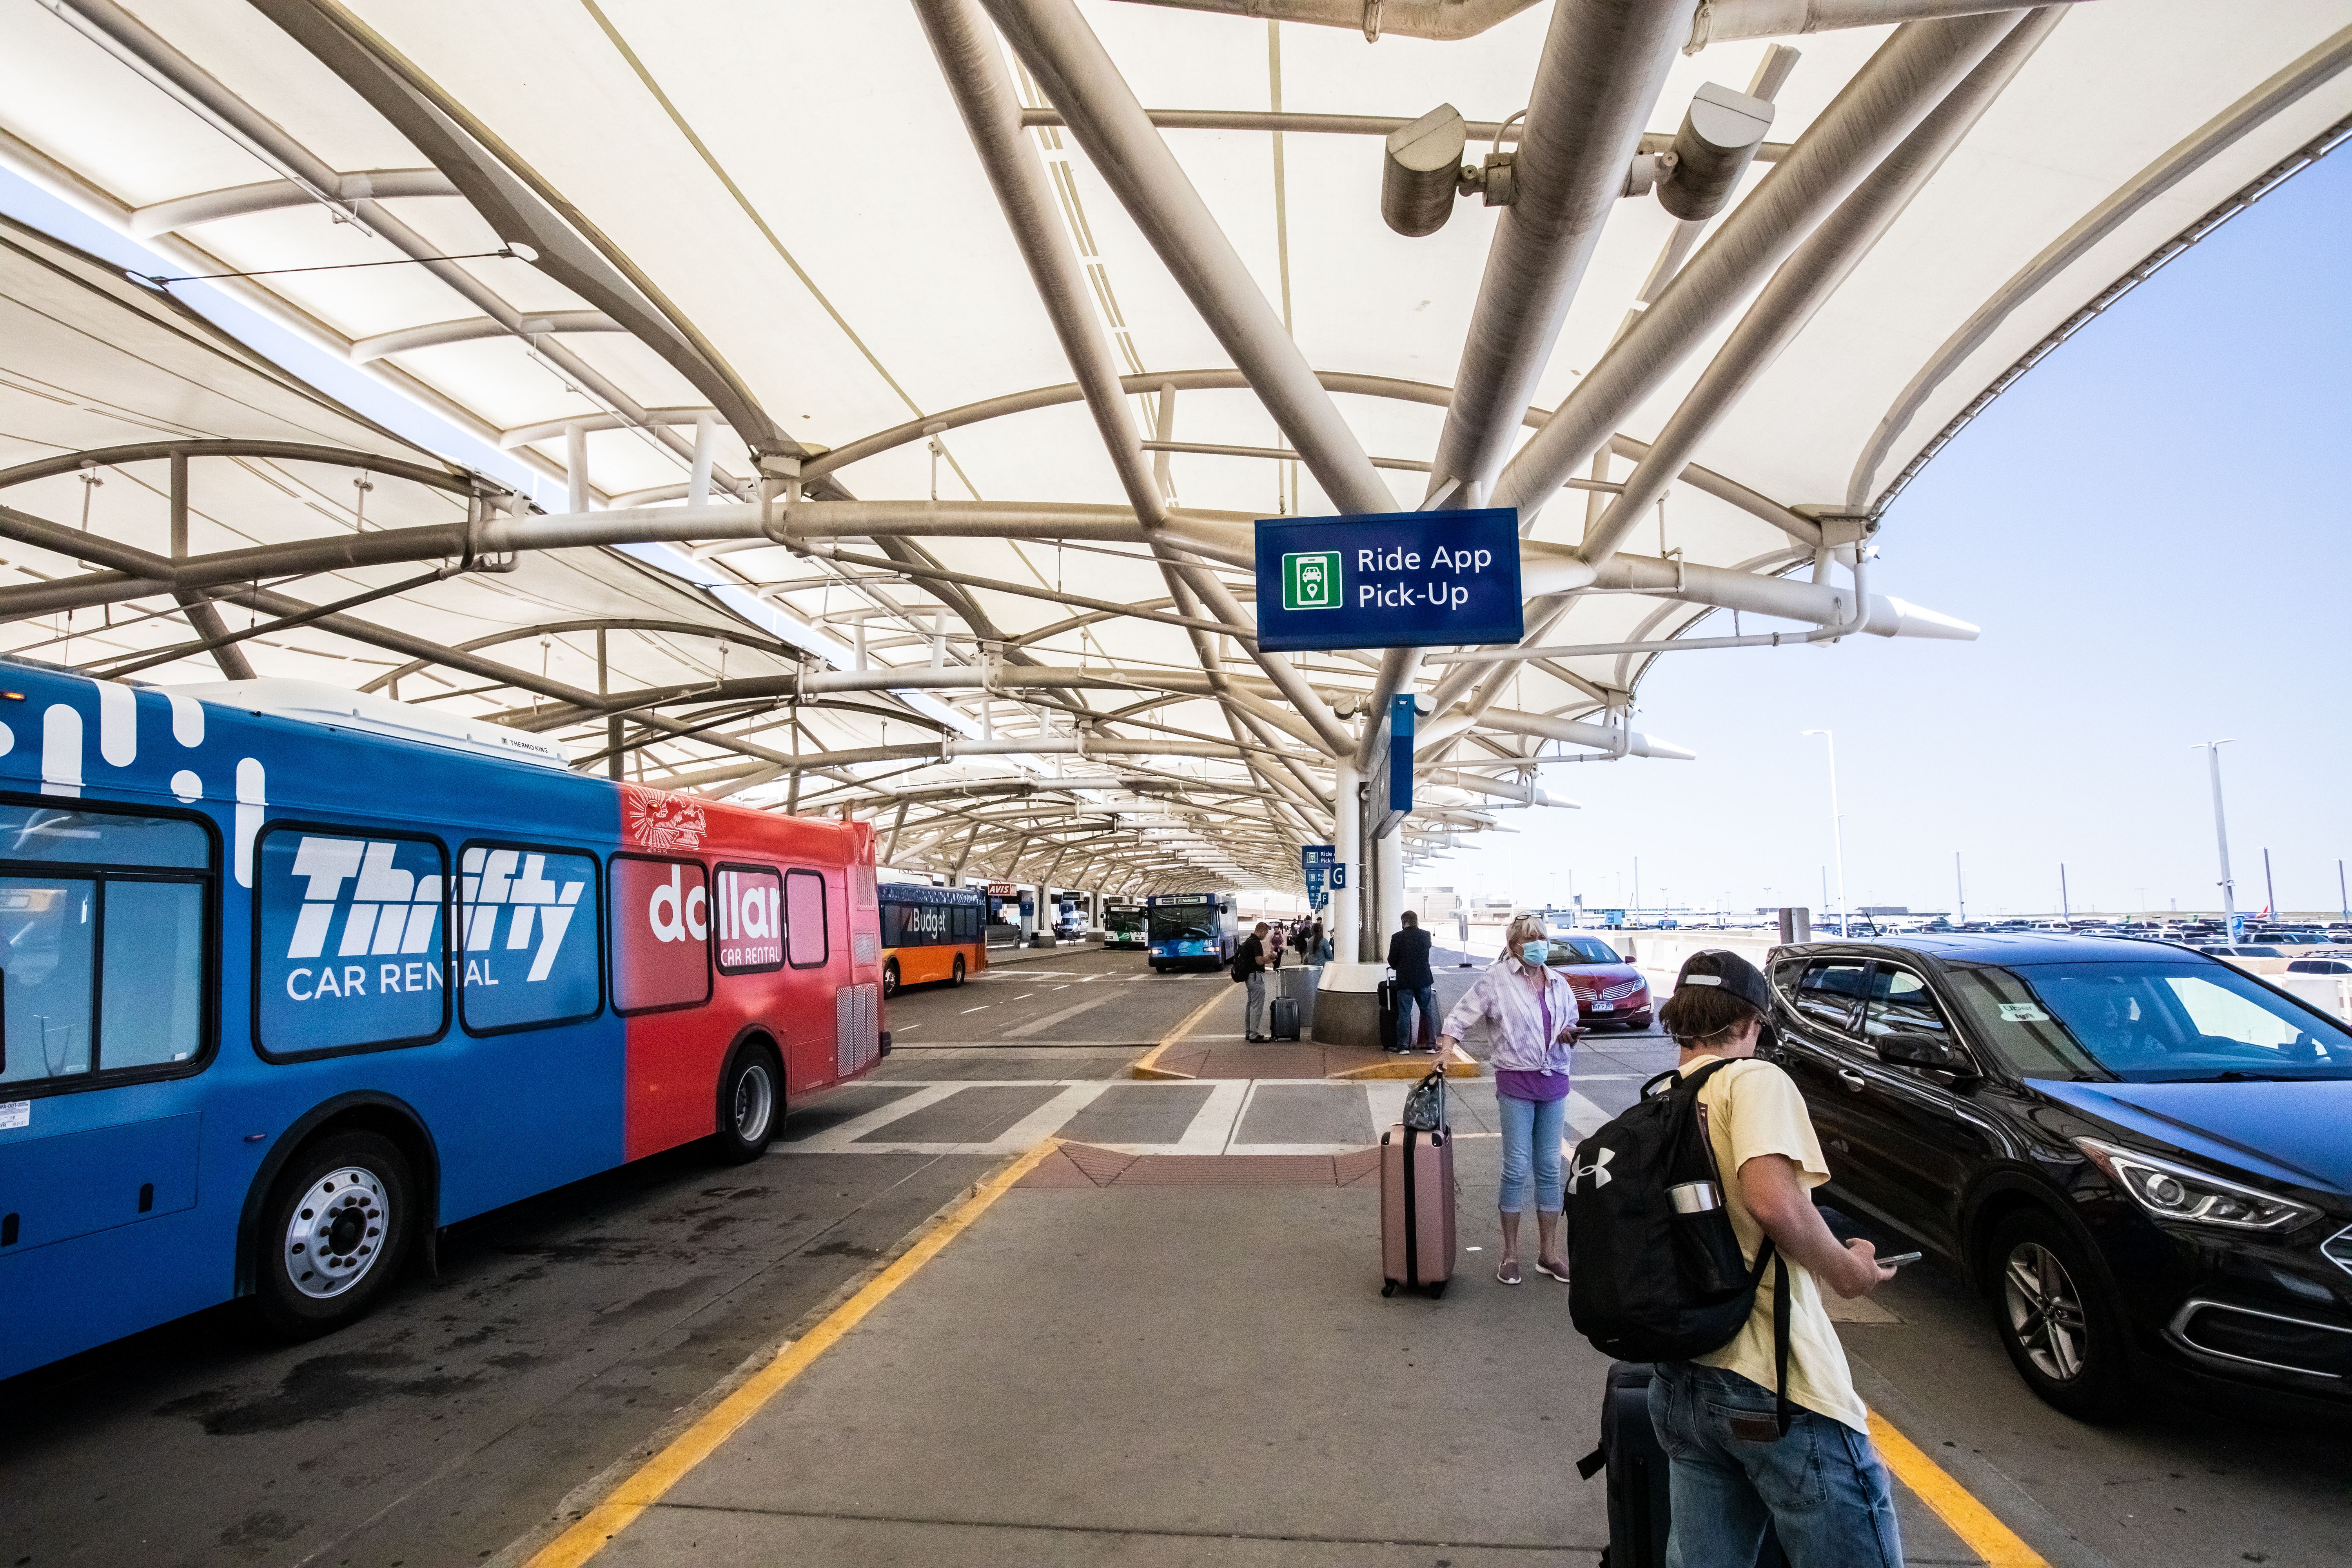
{"points": [[1654, 1266]]}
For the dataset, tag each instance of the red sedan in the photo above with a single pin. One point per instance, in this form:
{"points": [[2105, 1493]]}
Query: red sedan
{"points": [[1608, 991]]}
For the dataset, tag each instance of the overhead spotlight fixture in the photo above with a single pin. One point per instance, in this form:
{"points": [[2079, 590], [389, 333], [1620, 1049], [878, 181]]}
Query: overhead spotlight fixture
{"points": [[1719, 136], [1420, 170]]}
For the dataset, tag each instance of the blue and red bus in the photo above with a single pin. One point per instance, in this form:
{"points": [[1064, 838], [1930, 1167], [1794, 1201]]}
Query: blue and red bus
{"points": [[291, 978]]}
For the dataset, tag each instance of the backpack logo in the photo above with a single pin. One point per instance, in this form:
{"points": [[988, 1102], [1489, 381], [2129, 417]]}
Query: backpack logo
{"points": [[1598, 1171]]}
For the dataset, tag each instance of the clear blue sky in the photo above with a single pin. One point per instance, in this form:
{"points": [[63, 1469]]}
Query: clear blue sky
{"points": [[2152, 528]]}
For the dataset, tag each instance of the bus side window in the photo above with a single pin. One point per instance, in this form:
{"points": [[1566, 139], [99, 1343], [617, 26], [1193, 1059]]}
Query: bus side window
{"points": [[51, 933], [750, 913], [103, 938], [152, 974], [804, 919], [350, 952], [661, 934], [529, 938]]}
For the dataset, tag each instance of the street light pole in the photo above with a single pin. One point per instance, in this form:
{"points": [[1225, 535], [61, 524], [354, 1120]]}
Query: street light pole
{"points": [[1837, 826], [2221, 841], [1960, 886], [2066, 909], [2270, 888]]}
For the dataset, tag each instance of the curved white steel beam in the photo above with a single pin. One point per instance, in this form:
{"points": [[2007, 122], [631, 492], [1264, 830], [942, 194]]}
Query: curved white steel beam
{"points": [[1596, 81], [1814, 271], [271, 196], [1446, 20], [1906, 78], [2281, 91], [1070, 63], [554, 429], [471, 329]]}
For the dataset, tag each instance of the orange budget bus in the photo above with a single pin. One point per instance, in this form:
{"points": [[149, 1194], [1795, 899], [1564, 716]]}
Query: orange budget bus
{"points": [[931, 934]]}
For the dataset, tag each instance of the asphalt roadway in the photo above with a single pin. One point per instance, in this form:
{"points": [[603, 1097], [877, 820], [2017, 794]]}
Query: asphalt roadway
{"points": [[564, 1335]]}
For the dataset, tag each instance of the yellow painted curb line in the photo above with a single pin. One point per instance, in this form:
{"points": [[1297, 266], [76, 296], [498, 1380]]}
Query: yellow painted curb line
{"points": [[1458, 1064], [595, 1529], [1957, 1506], [1149, 1068]]}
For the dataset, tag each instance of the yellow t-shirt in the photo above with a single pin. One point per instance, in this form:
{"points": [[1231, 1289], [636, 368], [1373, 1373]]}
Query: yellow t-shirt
{"points": [[1751, 1107]]}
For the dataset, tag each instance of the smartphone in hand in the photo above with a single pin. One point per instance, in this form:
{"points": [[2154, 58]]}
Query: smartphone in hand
{"points": [[1900, 1259]]}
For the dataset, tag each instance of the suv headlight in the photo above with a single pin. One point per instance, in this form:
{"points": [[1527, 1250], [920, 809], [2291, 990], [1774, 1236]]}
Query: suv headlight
{"points": [[2176, 1192]]}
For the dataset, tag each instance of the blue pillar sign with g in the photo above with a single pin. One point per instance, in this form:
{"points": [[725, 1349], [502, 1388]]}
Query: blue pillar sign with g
{"points": [[1407, 579]]}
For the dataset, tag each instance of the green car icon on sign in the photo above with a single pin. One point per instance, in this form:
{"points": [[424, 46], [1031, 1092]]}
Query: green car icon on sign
{"points": [[1310, 581]]}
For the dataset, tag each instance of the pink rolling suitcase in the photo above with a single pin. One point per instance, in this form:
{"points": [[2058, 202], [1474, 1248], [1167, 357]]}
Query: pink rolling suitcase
{"points": [[1416, 1209]]}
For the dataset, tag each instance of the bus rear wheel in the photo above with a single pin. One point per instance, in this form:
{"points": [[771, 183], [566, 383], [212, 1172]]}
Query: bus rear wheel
{"points": [[890, 978], [955, 976], [751, 1093], [334, 1232]]}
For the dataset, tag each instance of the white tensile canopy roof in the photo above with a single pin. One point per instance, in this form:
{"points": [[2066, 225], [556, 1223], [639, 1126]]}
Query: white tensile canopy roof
{"points": [[965, 340]]}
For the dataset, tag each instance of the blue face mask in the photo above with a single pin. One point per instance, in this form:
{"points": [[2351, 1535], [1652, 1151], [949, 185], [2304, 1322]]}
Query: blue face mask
{"points": [[1533, 951]]}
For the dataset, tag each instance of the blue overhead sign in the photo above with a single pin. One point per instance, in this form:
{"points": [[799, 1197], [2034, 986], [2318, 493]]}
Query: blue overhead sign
{"points": [[1391, 799], [1315, 863], [1403, 579]]}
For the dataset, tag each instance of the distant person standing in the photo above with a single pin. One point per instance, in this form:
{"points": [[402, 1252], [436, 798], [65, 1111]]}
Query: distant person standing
{"points": [[1532, 1011], [1416, 987], [1249, 967]]}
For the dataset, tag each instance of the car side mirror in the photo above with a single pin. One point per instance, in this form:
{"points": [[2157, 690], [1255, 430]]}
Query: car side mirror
{"points": [[1922, 1051]]}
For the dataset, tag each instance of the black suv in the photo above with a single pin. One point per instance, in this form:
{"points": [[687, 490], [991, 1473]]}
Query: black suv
{"points": [[2135, 1150]]}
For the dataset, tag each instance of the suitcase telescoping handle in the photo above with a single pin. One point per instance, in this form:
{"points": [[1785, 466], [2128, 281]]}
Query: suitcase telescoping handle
{"points": [[1411, 1216]]}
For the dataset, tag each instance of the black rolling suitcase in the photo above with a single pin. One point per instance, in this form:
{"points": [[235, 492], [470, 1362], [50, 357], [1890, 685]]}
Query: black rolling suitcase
{"points": [[1285, 1017], [1640, 1505], [1389, 1041]]}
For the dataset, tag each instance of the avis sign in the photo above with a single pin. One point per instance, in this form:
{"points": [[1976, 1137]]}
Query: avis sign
{"points": [[1413, 579]]}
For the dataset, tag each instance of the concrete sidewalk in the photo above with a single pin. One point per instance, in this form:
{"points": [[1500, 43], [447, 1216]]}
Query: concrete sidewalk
{"points": [[1197, 1372]]}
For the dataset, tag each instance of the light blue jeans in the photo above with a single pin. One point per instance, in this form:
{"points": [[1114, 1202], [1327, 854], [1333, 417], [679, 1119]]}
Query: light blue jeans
{"points": [[1823, 1485], [1530, 1138]]}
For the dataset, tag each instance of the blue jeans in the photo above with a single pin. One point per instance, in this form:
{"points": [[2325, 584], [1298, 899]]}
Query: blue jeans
{"points": [[1530, 1137], [1424, 998], [1821, 1485]]}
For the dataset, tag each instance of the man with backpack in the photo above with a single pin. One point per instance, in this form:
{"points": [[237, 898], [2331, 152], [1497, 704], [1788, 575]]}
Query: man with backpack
{"points": [[1751, 1395]]}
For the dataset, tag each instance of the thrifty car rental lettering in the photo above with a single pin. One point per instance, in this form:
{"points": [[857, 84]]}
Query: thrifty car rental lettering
{"points": [[390, 911], [1436, 591]]}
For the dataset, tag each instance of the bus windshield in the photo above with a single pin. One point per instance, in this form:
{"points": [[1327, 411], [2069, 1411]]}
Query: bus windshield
{"points": [[1123, 920], [1184, 922], [2166, 1022]]}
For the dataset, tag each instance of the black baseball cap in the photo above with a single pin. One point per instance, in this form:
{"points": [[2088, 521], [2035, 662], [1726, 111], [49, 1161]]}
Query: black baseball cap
{"points": [[1721, 966]]}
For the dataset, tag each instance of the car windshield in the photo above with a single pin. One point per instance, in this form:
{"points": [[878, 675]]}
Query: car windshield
{"points": [[2166, 1022], [1581, 950]]}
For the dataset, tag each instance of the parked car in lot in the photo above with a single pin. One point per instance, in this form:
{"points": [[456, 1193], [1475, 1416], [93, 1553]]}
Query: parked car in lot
{"points": [[2138, 1152], [1610, 991]]}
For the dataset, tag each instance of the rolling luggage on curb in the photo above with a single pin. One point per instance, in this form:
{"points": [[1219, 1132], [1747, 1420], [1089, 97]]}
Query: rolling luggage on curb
{"points": [[1284, 1015], [1417, 1196], [1641, 1509], [1389, 1041]]}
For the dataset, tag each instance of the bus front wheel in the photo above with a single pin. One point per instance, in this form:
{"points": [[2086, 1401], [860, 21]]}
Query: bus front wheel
{"points": [[890, 978], [334, 1232], [955, 977]]}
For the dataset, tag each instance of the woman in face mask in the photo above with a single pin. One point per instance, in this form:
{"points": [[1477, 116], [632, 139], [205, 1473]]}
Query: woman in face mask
{"points": [[1532, 1015]]}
